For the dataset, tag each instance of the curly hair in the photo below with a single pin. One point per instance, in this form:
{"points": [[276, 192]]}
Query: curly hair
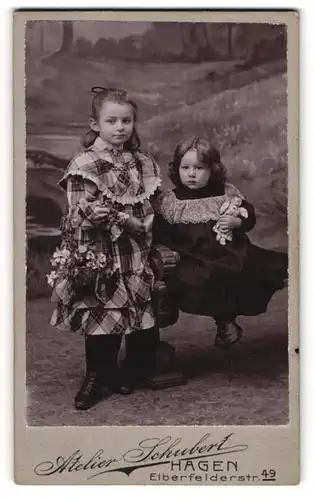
{"points": [[206, 154], [119, 96]]}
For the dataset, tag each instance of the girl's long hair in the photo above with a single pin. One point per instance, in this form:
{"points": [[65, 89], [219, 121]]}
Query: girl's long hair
{"points": [[206, 154], [118, 96]]}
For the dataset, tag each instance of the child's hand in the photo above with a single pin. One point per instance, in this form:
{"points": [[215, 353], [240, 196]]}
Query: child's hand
{"points": [[134, 225], [228, 222], [100, 211]]}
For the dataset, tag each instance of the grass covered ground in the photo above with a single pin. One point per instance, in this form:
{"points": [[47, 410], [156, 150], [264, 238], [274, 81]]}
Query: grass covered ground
{"points": [[242, 113], [58, 93]]}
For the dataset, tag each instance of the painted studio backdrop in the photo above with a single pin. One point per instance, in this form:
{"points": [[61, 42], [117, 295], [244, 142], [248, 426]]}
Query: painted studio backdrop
{"points": [[224, 82]]}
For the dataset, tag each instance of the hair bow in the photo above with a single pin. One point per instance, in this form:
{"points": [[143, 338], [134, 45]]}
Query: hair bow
{"points": [[98, 89]]}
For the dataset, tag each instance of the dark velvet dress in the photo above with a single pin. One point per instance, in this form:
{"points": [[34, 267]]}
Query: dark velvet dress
{"points": [[215, 280]]}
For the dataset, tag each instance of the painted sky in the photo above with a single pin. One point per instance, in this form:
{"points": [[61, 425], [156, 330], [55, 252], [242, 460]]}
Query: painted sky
{"points": [[108, 29]]}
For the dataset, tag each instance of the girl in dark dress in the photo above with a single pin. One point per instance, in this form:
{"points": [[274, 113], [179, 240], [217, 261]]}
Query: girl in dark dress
{"points": [[205, 219]]}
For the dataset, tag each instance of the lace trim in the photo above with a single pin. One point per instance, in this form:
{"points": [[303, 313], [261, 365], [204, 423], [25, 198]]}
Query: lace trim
{"points": [[150, 187], [101, 145], [150, 177], [203, 210]]}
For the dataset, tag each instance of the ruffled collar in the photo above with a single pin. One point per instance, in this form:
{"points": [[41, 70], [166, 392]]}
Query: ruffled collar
{"points": [[101, 145], [193, 211], [123, 176]]}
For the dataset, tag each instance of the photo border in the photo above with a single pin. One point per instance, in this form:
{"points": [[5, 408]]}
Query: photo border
{"points": [[269, 447]]}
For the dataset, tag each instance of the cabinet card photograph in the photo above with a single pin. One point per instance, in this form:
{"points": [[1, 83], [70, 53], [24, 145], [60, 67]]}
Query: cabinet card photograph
{"points": [[156, 247]]}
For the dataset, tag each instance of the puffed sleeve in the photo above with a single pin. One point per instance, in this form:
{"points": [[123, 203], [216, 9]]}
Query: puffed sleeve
{"points": [[83, 203], [248, 223]]}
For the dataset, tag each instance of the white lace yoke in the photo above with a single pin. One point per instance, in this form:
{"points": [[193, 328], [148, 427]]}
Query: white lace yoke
{"points": [[197, 211]]}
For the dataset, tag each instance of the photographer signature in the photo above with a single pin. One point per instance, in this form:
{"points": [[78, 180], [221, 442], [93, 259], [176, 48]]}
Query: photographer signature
{"points": [[149, 452]]}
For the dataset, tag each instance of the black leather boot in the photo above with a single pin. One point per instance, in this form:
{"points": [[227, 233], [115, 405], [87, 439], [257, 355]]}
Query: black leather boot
{"points": [[140, 361], [113, 376], [91, 391], [228, 334], [101, 371]]}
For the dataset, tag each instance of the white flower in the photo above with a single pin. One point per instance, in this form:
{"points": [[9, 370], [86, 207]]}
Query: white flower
{"points": [[52, 277], [60, 256], [82, 248], [66, 253], [90, 255], [102, 260], [57, 253]]}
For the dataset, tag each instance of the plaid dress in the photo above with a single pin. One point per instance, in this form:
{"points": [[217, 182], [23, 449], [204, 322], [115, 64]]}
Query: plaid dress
{"points": [[122, 183]]}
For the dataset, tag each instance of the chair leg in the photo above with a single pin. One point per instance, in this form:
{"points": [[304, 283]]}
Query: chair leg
{"points": [[111, 373]]}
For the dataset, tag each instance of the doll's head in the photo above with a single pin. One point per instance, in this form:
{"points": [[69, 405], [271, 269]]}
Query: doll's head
{"points": [[196, 165], [113, 118]]}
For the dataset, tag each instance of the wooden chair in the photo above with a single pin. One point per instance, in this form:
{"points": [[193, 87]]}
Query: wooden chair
{"points": [[164, 261]]}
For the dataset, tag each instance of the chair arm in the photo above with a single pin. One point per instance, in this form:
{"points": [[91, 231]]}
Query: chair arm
{"points": [[163, 261]]}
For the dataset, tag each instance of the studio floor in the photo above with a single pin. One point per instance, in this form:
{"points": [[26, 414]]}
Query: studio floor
{"points": [[245, 386]]}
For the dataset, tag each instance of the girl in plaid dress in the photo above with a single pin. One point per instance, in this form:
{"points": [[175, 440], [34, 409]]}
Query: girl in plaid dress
{"points": [[109, 187]]}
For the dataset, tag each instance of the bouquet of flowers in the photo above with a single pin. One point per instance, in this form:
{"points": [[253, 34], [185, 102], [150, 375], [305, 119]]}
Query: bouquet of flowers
{"points": [[77, 266], [80, 266]]}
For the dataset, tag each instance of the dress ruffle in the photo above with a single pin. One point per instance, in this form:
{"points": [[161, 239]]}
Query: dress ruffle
{"points": [[129, 184]]}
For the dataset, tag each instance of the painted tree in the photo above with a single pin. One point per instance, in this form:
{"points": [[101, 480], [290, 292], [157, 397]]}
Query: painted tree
{"points": [[83, 47], [67, 37], [196, 42]]}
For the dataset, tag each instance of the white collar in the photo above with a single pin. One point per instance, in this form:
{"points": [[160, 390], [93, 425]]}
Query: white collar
{"points": [[100, 144], [195, 211]]}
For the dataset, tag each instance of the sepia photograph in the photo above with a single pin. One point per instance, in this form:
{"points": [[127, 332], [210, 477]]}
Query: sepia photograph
{"points": [[156, 223], [156, 247]]}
